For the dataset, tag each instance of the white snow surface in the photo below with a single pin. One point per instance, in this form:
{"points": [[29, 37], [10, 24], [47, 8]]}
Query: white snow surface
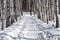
{"points": [[28, 28]]}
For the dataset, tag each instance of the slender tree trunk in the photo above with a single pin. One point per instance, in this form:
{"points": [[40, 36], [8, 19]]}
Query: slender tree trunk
{"points": [[57, 19]]}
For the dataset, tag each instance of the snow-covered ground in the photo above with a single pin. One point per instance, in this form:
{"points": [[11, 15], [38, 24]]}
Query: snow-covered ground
{"points": [[29, 28]]}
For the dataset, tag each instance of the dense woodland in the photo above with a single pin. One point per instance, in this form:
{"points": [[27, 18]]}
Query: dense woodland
{"points": [[46, 10]]}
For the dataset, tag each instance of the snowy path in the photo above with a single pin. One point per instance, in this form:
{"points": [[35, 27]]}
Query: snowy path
{"points": [[31, 29], [27, 28]]}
